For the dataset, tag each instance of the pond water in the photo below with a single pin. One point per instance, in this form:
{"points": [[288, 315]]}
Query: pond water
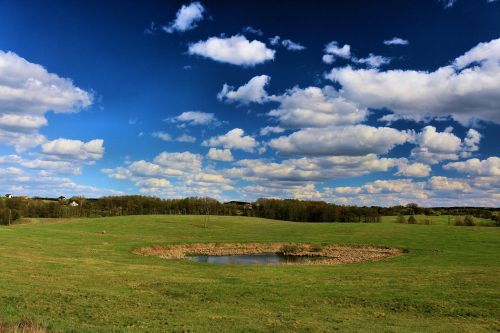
{"points": [[256, 259]]}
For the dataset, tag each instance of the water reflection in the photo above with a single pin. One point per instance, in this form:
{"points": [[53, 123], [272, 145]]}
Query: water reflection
{"points": [[256, 259]]}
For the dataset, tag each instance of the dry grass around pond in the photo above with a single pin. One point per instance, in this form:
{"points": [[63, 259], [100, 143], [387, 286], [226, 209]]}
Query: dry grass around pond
{"points": [[332, 254]]}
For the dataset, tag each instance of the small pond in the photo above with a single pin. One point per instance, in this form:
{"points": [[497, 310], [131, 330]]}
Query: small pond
{"points": [[256, 259]]}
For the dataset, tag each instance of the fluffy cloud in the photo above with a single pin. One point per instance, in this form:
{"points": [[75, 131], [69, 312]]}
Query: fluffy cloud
{"points": [[315, 107], [349, 140], [310, 169], [187, 18], [396, 41], [466, 90], [476, 167], [27, 92], [236, 50], [334, 49], [413, 170], [194, 118], [234, 139], [74, 149], [253, 91], [185, 138], [434, 147], [185, 162], [446, 184], [220, 155]]}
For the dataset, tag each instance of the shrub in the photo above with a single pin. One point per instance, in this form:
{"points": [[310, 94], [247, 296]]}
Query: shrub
{"points": [[412, 220], [469, 221], [401, 219], [459, 221]]}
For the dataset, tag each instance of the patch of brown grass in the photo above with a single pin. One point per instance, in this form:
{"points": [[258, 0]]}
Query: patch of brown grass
{"points": [[332, 254], [24, 326]]}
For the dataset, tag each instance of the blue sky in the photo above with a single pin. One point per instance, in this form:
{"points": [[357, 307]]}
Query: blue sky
{"points": [[352, 102]]}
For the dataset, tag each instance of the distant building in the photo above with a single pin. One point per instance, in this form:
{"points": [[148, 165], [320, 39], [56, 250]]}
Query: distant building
{"points": [[62, 197], [9, 196], [74, 204]]}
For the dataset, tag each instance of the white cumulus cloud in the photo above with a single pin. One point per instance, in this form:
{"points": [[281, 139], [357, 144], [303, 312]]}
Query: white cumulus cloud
{"points": [[187, 18], [236, 50]]}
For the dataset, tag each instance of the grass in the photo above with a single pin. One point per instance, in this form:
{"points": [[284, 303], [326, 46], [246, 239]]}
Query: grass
{"points": [[80, 275]]}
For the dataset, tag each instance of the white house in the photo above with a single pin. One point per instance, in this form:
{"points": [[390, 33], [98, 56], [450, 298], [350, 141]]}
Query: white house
{"points": [[10, 196], [73, 204]]}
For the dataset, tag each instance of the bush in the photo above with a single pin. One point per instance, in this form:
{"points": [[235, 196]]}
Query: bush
{"points": [[412, 220], [459, 221], [469, 221]]}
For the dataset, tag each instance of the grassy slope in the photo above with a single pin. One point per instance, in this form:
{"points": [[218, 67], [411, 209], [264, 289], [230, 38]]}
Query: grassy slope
{"points": [[71, 275]]}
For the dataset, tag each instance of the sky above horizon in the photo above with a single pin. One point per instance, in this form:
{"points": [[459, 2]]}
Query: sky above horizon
{"points": [[351, 102]]}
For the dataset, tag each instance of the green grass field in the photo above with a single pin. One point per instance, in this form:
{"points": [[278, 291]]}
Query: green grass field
{"points": [[81, 276]]}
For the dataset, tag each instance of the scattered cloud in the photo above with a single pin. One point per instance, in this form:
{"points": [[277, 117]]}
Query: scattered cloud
{"points": [[315, 107], [191, 118], [477, 167], [396, 41], [27, 92], [372, 61], [187, 18], [355, 140], [235, 50], [292, 46], [234, 139], [253, 91], [220, 155], [162, 136], [271, 130], [252, 30], [466, 90], [74, 149]]}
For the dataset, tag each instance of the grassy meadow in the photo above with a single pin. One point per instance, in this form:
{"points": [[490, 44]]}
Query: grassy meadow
{"points": [[80, 275]]}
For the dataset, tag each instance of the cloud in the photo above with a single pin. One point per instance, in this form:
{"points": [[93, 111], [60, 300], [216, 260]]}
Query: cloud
{"points": [[187, 18], [185, 138], [292, 46], [328, 59], [162, 136], [172, 175], [334, 49], [448, 3], [440, 183], [413, 170], [74, 149], [315, 107], [252, 30], [434, 147], [27, 92], [220, 155], [476, 167], [235, 50], [274, 40], [372, 61], [466, 90], [336, 141], [396, 41], [253, 91], [194, 118], [309, 169], [234, 139], [271, 130]]}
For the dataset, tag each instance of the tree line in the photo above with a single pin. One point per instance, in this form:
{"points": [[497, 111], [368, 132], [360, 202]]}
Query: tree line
{"points": [[281, 209]]}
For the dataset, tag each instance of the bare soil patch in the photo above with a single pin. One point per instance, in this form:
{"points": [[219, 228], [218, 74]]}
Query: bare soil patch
{"points": [[331, 254]]}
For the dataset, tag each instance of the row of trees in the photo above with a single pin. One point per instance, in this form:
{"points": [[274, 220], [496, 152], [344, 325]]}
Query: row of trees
{"points": [[281, 209]]}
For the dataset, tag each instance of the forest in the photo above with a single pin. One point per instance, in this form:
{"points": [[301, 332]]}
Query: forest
{"points": [[12, 209]]}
